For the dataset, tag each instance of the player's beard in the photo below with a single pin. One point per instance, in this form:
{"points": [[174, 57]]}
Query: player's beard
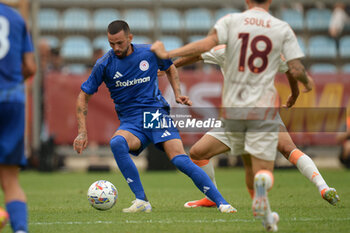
{"points": [[123, 53]]}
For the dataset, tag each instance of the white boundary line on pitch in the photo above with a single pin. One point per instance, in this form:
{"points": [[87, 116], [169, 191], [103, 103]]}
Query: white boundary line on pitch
{"points": [[183, 221]]}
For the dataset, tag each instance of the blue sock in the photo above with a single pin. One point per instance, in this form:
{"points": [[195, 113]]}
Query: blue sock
{"points": [[199, 178], [18, 215], [127, 167]]}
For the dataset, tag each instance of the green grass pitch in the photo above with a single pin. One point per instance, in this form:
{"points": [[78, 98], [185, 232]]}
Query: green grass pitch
{"points": [[57, 203]]}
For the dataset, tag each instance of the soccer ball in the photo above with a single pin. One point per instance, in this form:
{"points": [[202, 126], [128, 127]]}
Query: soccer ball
{"points": [[4, 218], [102, 195]]}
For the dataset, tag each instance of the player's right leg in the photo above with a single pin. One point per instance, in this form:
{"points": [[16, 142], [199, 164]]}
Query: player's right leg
{"points": [[15, 198], [176, 153], [121, 143], [305, 165], [208, 146], [12, 117]]}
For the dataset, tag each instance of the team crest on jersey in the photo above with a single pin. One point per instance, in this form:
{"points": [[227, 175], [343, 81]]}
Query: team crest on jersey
{"points": [[144, 65]]}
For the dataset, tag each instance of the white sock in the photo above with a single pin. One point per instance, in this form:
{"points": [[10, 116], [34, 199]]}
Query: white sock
{"points": [[308, 168], [209, 169]]}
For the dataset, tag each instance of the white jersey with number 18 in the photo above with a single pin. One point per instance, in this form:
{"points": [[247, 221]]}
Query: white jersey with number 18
{"points": [[216, 56], [254, 42]]}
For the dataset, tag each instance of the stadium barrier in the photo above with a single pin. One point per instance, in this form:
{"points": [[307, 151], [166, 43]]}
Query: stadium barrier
{"points": [[204, 89]]}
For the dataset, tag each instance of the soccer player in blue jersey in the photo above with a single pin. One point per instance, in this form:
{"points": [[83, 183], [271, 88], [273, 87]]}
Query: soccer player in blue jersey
{"points": [[130, 73], [16, 64]]}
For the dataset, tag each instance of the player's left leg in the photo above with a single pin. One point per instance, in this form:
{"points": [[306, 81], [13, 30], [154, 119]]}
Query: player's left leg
{"points": [[15, 198], [263, 182], [261, 141], [305, 165], [176, 153], [209, 145]]}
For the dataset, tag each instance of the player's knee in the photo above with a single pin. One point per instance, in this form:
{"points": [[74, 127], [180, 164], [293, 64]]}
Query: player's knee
{"points": [[286, 149], [119, 145], [196, 153], [285, 144], [9, 183]]}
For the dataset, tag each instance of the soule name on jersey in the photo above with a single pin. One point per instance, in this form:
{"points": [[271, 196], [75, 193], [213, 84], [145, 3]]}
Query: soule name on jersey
{"points": [[257, 22]]}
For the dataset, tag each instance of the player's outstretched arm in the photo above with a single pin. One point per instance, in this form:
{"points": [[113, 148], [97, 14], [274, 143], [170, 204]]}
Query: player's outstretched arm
{"points": [[173, 77], [191, 49], [185, 61], [81, 140]]}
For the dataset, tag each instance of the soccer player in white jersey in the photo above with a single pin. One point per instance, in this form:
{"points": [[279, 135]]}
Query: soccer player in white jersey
{"points": [[215, 142], [259, 39]]}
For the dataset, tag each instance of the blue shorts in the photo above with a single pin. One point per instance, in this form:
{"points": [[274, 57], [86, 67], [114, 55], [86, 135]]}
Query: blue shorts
{"points": [[12, 118], [135, 125]]}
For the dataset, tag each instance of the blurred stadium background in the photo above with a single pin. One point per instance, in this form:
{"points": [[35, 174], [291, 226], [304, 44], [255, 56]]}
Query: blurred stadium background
{"points": [[69, 36]]}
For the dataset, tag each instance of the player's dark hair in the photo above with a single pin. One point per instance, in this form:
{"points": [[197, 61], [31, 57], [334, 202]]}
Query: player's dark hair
{"points": [[117, 26], [259, 1]]}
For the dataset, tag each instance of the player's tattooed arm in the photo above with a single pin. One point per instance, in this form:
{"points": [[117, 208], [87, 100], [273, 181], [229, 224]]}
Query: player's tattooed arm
{"points": [[81, 140], [297, 71], [82, 110], [174, 80]]}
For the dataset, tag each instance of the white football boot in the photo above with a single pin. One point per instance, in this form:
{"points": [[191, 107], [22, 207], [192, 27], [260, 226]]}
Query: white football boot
{"points": [[261, 206], [330, 195], [138, 205], [227, 208], [270, 223]]}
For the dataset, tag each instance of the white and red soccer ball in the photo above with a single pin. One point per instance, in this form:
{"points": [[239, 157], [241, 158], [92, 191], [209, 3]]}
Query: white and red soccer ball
{"points": [[102, 195]]}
